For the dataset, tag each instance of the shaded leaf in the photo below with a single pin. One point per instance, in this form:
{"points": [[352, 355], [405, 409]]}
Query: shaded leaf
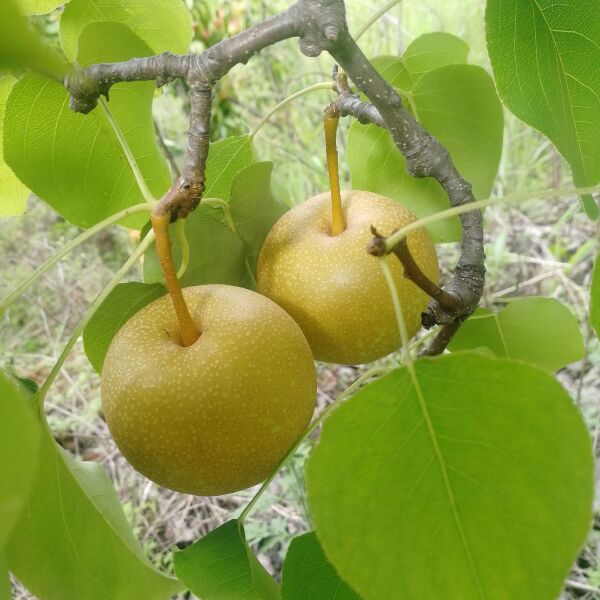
{"points": [[308, 575], [221, 566], [22, 47], [545, 56], [207, 231], [462, 471], [13, 194], [456, 103], [253, 208], [120, 305], [19, 434], [216, 253], [595, 298], [74, 518], [75, 162], [163, 25], [541, 331]]}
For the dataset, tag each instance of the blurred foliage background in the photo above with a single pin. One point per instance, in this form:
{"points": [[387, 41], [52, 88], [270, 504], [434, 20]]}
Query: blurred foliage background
{"points": [[538, 248]]}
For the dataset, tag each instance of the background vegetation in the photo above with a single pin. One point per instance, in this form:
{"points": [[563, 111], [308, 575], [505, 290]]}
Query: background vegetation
{"points": [[539, 248]]}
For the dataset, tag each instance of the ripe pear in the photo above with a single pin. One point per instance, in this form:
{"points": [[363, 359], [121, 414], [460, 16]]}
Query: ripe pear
{"points": [[332, 287], [219, 415]]}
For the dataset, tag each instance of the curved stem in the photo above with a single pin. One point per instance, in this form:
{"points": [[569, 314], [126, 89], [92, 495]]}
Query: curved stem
{"points": [[374, 372], [128, 153], [137, 253], [185, 247], [188, 331], [389, 278], [330, 124], [68, 247], [393, 239], [375, 17], [288, 100]]}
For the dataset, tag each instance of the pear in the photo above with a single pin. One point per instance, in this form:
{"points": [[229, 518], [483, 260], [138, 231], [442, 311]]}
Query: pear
{"points": [[216, 416], [332, 287]]}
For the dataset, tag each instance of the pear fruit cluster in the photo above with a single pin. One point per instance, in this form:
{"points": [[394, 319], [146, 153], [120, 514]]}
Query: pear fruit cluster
{"points": [[220, 414]]}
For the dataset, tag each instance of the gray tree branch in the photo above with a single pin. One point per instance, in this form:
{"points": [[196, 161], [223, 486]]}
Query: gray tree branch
{"points": [[321, 26]]}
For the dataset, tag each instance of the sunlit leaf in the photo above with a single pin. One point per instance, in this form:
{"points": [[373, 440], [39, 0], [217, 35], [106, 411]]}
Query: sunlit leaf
{"points": [[163, 25], [445, 483], [220, 566], [39, 7], [73, 540], [545, 56], [13, 194], [75, 162], [308, 575], [22, 47], [432, 50], [541, 331], [120, 305]]}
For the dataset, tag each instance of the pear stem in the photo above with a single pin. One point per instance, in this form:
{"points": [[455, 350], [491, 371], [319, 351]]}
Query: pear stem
{"points": [[330, 124], [188, 330]]}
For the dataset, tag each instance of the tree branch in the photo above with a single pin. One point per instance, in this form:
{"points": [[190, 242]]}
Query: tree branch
{"points": [[321, 26]]}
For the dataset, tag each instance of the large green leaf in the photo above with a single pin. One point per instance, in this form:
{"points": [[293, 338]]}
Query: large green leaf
{"points": [[13, 194], [21, 46], [545, 56], [445, 483], [221, 566], [75, 162], [164, 25], [595, 298], [456, 103], [541, 331], [73, 540], [217, 254], [39, 7], [18, 456], [120, 305], [254, 210], [308, 575]]}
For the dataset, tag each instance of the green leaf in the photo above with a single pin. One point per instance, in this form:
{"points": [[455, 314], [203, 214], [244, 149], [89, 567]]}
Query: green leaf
{"points": [[18, 456], [75, 162], [13, 194], [221, 566], [308, 575], [253, 208], [432, 50], [541, 331], [207, 232], [226, 158], [445, 483], [22, 47], [456, 103], [164, 25], [216, 253], [595, 298], [120, 305], [40, 7], [74, 541], [545, 56]]}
